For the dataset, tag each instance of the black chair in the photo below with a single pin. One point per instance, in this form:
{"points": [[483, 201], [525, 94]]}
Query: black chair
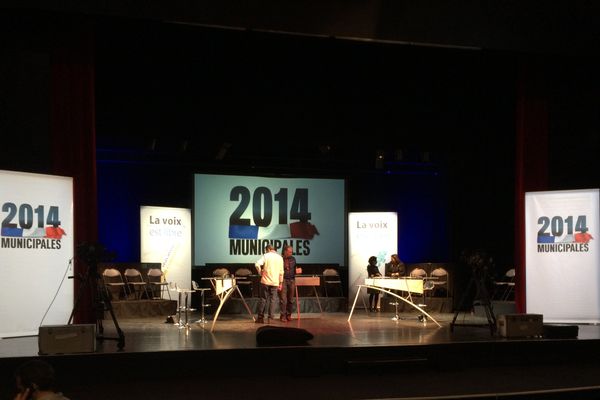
{"points": [[504, 289], [134, 280], [440, 281], [245, 283], [332, 277], [157, 284], [114, 284]]}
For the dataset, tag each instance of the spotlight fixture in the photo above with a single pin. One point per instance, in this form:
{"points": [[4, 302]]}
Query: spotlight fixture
{"points": [[324, 149], [379, 159]]}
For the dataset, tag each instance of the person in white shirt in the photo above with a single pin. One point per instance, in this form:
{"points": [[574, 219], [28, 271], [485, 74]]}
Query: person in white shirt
{"points": [[270, 268]]}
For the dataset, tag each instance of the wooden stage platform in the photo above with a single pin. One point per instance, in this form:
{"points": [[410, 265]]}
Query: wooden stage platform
{"points": [[369, 357]]}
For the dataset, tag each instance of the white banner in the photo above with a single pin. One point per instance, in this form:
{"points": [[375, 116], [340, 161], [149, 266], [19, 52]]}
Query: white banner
{"points": [[166, 238], [36, 250], [370, 234], [563, 255]]}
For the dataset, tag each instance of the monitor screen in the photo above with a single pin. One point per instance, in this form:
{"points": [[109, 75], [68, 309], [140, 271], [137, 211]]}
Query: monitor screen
{"points": [[235, 217]]}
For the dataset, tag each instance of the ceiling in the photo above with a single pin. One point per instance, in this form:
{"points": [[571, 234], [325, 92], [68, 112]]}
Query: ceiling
{"points": [[558, 27]]}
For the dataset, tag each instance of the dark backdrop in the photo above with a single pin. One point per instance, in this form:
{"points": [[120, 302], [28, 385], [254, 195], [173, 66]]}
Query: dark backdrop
{"points": [[169, 97]]}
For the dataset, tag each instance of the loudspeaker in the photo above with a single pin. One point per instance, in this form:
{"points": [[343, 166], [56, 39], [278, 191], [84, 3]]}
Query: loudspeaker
{"points": [[560, 331], [279, 336], [61, 339], [520, 325]]}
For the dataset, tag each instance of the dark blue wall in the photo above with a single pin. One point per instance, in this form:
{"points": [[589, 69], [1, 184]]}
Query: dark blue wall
{"points": [[419, 199], [125, 186]]}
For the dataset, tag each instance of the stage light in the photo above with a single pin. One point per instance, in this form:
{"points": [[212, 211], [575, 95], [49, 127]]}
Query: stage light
{"points": [[379, 159], [324, 149]]}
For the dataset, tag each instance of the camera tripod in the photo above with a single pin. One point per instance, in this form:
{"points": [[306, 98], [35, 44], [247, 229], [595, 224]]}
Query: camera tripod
{"points": [[101, 302], [482, 296]]}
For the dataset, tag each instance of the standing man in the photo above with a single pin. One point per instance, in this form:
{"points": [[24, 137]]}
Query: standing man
{"points": [[270, 268], [286, 297]]}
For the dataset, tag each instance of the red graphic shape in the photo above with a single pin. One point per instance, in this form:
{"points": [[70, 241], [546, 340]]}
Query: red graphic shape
{"points": [[583, 237], [303, 230], [55, 232]]}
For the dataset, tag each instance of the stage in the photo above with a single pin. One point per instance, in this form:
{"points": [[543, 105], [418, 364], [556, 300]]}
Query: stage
{"points": [[369, 357]]}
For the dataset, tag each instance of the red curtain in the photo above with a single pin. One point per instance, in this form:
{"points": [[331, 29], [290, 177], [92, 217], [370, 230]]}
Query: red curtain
{"points": [[72, 128], [531, 169]]}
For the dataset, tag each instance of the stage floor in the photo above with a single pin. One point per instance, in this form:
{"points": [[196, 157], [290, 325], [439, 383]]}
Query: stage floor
{"points": [[238, 331], [369, 357]]}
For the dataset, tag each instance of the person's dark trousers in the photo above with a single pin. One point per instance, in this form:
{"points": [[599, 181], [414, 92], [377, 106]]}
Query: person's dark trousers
{"points": [[373, 297], [267, 298], [286, 297]]}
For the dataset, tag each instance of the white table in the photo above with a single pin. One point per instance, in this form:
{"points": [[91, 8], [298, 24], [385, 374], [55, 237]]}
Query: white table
{"points": [[224, 287], [404, 284]]}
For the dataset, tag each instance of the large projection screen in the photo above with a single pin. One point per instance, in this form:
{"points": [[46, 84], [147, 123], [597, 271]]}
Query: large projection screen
{"points": [[563, 255], [236, 216], [36, 250]]}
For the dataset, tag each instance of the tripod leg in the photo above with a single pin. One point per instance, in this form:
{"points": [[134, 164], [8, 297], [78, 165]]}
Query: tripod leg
{"points": [[491, 320], [108, 307], [463, 299], [82, 288], [484, 298], [121, 339]]}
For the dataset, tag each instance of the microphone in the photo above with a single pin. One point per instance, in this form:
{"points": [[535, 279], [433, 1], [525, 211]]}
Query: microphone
{"points": [[70, 263]]}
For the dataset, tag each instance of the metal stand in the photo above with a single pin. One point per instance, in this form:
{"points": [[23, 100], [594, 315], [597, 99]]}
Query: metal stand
{"points": [[396, 317], [302, 280], [184, 306], [224, 288], [482, 296], [202, 320]]}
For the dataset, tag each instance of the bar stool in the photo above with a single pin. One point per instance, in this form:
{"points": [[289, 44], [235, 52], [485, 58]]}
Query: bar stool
{"points": [[197, 288], [183, 305], [186, 306], [396, 316]]}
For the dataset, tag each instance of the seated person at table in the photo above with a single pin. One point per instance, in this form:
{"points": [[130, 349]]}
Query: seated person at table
{"points": [[395, 268]]}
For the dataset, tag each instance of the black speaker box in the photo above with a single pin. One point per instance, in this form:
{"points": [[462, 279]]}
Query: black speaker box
{"points": [[520, 325], [281, 336], [560, 331], [63, 339]]}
